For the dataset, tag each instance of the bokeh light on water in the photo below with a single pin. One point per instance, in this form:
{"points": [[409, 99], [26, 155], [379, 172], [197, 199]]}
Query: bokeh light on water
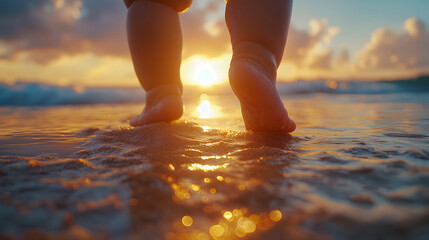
{"points": [[207, 178], [223, 223]]}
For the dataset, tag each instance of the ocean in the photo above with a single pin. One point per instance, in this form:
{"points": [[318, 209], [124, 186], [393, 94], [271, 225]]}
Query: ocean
{"points": [[357, 167]]}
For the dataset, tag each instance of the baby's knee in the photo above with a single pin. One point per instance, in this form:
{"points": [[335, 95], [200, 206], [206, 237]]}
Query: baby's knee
{"points": [[178, 5]]}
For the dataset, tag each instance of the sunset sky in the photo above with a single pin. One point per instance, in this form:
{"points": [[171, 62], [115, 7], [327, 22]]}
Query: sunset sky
{"points": [[83, 42]]}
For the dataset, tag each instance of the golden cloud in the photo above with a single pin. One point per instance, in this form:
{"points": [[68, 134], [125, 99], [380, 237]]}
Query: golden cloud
{"points": [[397, 50]]}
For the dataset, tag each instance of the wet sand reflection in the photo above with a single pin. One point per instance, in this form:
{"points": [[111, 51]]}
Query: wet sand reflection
{"points": [[208, 196], [341, 172]]}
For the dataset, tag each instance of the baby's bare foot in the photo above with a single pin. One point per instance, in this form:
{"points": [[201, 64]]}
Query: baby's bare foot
{"points": [[252, 78], [163, 104]]}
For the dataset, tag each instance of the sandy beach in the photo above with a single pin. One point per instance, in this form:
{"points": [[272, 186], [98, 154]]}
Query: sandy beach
{"points": [[356, 168]]}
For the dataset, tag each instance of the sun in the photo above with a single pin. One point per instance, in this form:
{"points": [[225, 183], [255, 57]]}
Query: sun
{"points": [[205, 72]]}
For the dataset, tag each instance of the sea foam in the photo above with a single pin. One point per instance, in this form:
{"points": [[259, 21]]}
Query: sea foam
{"points": [[39, 94]]}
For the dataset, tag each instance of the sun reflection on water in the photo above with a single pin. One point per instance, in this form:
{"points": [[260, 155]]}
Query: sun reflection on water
{"points": [[234, 224], [206, 110], [214, 157], [207, 189], [275, 215], [206, 168], [187, 221], [205, 128]]}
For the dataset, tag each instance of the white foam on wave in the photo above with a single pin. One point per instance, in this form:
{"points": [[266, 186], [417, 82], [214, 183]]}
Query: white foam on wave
{"points": [[38, 94]]}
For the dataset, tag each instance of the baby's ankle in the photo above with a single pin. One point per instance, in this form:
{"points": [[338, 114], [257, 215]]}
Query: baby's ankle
{"points": [[256, 53], [162, 91]]}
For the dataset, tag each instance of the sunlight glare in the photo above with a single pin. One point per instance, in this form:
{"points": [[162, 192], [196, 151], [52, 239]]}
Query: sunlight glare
{"points": [[205, 110], [206, 168], [205, 72]]}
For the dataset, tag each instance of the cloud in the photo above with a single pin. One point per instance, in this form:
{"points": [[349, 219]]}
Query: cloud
{"points": [[44, 30], [311, 49], [392, 50], [204, 29], [343, 59]]}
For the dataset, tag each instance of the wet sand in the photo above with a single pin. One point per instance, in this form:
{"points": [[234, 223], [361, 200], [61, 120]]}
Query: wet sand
{"points": [[356, 168]]}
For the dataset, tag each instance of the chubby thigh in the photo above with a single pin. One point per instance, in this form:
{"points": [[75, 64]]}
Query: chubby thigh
{"points": [[178, 5]]}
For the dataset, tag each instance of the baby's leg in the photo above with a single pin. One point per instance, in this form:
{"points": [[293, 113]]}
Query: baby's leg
{"points": [[258, 31], [155, 42]]}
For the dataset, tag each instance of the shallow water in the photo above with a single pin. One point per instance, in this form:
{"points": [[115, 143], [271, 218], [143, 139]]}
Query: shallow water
{"points": [[356, 168]]}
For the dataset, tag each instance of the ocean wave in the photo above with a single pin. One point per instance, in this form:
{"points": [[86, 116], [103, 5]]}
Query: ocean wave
{"points": [[419, 84], [39, 94]]}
